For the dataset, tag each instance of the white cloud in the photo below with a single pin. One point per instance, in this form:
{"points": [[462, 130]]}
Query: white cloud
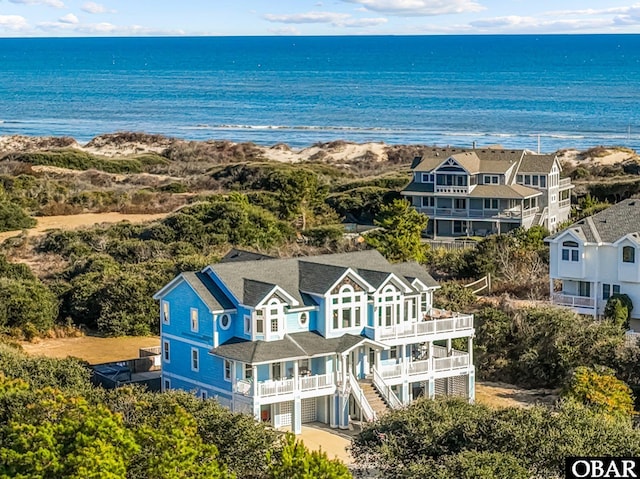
{"points": [[309, 17], [515, 23], [285, 31], [408, 8], [50, 3], [332, 18], [95, 8], [69, 18], [13, 22], [103, 28]]}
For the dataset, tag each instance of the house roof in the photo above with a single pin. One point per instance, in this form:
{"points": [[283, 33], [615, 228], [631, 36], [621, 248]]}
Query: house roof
{"points": [[503, 191], [608, 225], [420, 187], [536, 163], [247, 280], [293, 346], [208, 291], [486, 160], [242, 255]]}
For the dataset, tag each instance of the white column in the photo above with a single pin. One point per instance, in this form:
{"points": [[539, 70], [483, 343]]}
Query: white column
{"points": [[344, 369], [449, 349], [470, 349]]}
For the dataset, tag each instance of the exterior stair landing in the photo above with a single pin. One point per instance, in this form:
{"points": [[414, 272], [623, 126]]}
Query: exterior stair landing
{"points": [[373, 397]]}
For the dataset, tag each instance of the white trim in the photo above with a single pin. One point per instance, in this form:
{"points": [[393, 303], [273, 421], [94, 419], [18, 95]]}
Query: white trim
{"points": [[187, 341], [247, 321], [166, 383], [197, 359], [198, 383], [165, 313], [391, 276], [197, 318], [224, 370], [628, 237], [166, 289], [273, 291], [361, 281], [446, 160], [166, 358], [306, 322], [220, 321], [208, 269]]}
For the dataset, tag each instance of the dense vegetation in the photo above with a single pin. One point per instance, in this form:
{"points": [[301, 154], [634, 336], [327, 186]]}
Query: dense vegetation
{"points": [[54, 424], [451, 439]]}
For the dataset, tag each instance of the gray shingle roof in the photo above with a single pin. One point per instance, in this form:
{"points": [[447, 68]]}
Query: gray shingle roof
{"points": [[609, 225], [536, 163], [311, 274], [242, 255], [486, 160], [208, 291], [293, 346], [420, 187], [503, 191]]}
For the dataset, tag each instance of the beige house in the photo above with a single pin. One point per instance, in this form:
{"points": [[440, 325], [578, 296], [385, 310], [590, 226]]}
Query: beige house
{"points": [[477, 192]]}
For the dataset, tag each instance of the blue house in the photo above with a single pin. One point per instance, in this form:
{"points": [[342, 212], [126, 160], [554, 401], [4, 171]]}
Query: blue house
{"points": [[326, 338]]}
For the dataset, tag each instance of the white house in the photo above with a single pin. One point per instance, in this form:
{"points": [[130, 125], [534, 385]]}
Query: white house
{"points": [[597, 257], [325, 338], [488, 190]]}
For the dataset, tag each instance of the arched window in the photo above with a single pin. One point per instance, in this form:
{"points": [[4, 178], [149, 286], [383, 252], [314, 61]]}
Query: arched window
{"points": [[347, 307], [628, 254], [389, 306], [570, 251]]}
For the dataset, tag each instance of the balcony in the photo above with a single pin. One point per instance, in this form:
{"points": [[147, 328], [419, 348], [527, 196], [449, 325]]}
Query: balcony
{"points": [[450, 189], [564, 203], [565, 183], [437, 322], [472, 214], [322, 383], [571, 301], [418, 370]]}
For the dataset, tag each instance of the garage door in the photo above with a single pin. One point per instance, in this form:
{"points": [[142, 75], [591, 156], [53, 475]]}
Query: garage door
{"points": [[309, 410], [283, 418]]}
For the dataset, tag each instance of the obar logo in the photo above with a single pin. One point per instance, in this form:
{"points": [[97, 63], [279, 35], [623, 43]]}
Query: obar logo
{"points": [[601, 467]]}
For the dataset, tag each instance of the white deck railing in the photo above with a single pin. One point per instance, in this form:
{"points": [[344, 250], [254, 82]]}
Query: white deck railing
{"points": [[572, 301], [387, 393], [367, 411], [438, 363], [278, 387], [320, 381], [451, 363], [458, 322]]}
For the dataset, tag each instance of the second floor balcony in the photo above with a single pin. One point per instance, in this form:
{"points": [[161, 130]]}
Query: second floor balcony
{"points": [[422, 369], [437, 322], [473, 214], [312, 385]]}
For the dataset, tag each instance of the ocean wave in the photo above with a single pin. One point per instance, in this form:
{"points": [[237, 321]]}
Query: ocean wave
{"points": [[300, 128]]}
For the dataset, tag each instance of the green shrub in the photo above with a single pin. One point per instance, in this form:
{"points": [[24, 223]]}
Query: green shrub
{"points": [[26, 303], [13, 217], [618, 310]]}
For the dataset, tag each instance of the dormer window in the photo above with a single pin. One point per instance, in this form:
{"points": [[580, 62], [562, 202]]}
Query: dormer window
{"points": [[491, 179], [570, 251], [427, 177], [628, 254], [347, 308]]}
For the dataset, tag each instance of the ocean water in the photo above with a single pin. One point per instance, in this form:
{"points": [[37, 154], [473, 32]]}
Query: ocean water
{"points": [[565, 90]]}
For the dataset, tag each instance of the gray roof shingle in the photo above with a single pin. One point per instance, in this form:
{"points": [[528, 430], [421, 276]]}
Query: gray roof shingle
{"points": [[208, 291], [297, 276], [609, 225], [293, 346]]}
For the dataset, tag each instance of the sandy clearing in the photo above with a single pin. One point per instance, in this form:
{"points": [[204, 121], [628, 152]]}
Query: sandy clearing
{"points": [[92, 349], [77, 221], [501, 395]]}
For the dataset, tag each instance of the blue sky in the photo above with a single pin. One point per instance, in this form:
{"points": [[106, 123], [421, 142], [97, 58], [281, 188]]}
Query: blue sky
{"points": [[27, 18]]}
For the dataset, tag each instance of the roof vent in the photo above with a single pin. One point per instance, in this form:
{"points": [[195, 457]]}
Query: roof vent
{"points": [[633, 203]]}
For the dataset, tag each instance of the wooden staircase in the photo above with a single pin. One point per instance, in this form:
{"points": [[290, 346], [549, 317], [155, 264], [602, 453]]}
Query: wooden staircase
{"points": [[373, 397]]}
